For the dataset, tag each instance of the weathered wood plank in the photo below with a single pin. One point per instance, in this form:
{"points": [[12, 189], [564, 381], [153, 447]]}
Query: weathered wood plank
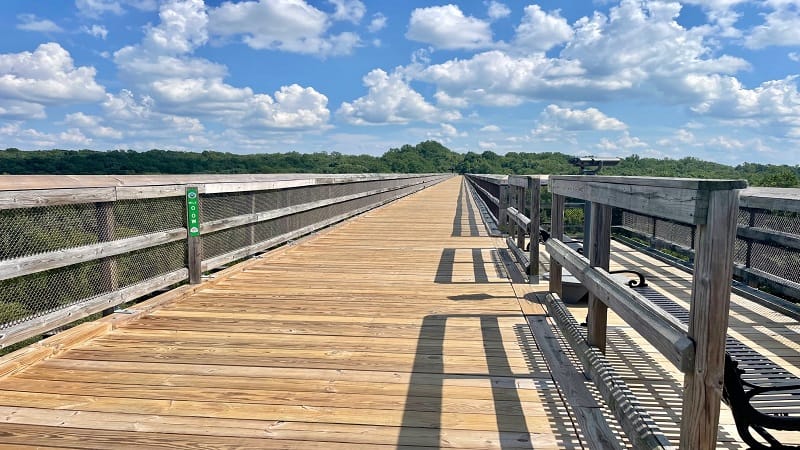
{"points": [[11, 268], [659, 328], [708, 321], [41, 324]]}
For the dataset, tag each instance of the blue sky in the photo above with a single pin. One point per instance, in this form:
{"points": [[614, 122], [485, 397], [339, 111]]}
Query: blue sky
{"points": [[714, 79]]}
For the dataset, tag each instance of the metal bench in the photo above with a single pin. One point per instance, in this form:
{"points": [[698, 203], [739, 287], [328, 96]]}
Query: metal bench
{"points": [[761, 394]]}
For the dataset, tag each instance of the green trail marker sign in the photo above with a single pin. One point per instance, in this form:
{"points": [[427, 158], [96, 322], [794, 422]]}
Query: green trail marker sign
{"points": [[192, 211]]}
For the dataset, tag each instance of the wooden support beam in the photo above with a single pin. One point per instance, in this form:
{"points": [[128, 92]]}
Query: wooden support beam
{"points": [[659, 328], [599, 256], [503, 214], [708, 321], [534, 193], [556, 232]]}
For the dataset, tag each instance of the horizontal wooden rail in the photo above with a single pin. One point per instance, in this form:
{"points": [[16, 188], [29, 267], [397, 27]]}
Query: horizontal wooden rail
{"points": [[221, 260], [246, 219], [635, 422], [17, 267], [487, 194], [663, 331], [64, 316], [519, 218], [682, 200]]}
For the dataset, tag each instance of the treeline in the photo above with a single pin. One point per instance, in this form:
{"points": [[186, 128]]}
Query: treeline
{"points": [[428, 156]]}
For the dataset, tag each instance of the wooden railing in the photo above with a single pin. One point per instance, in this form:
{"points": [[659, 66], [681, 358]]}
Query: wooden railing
{"points": [[697, 350], [74, 246]]}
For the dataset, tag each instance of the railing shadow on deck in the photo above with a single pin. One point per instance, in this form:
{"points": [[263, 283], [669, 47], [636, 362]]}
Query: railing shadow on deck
{"points": [[473, 228], [511, 424], [740, 317], [657, 389]]}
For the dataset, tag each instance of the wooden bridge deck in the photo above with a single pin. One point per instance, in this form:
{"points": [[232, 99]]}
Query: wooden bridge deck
{"points": [[397, 329], [400, 328]]}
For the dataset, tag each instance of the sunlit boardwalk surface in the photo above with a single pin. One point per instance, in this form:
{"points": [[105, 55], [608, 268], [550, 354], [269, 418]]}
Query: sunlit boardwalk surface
{"points": [[398, 328]]}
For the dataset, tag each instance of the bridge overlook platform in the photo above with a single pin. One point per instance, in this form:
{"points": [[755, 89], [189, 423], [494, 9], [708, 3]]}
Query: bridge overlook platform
{"points": [[404, 327]]}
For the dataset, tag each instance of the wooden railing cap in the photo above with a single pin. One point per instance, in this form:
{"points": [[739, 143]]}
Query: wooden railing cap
{"points": [[676, 183]]}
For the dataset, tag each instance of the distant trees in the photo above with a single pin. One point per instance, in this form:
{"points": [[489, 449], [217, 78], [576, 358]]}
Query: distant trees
{"points": [[427, 156]]}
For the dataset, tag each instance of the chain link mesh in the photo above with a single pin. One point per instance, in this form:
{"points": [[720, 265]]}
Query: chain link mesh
{"points": [[676, 233], [232, 239], [775, 260], [31, 231], [30, 296]]}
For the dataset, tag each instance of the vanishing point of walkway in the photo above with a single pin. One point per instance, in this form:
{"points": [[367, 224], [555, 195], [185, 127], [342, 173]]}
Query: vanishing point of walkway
{"points": [[398, 328]]}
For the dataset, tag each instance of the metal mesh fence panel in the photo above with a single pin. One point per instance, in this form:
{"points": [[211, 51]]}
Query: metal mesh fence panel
{"points": [[31, 231], [676, 233], [777, 261], [573, 219], [740, 251], [786, 222], [637, 222], [30, 296], [138, 217]]}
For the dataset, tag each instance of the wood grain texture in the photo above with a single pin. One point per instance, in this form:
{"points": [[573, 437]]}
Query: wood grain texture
{"points": [[708, 321], [390, 330]]}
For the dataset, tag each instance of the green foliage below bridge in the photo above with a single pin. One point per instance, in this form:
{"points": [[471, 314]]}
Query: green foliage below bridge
{"points": [[428, 156]]}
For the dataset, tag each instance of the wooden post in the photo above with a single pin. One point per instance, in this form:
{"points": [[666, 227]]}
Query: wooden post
{"points": [[534, 192], [502, 214], [194, 244], [556, 232], [520, 204], [106, 222], [708, 321], [599, 256]]}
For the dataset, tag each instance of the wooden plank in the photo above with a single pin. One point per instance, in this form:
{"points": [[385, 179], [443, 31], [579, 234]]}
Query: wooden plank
{"points": [[637, 424], [50, 197], [534, 192], [556, 232], [708, 322], [41, 324], [695, 184], [599, 256], [682, 205], [659, 328], [26, 265], [769, 237], [572, 385], [771, 199]]}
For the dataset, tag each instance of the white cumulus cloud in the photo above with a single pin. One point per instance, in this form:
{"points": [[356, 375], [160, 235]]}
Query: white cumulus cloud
{"points": [[377, 23], [540, 31], [349, 10], [96, 30], [498, 10], [579, 119], [446, 27], [390, 100], [174, 84], [286, 25], [29, 81]]}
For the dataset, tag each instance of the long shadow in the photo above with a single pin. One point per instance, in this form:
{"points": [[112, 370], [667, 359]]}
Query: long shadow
{"points": [[445, 271], [428, 376], [659, 393], [751, 360], [473, 229]]}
